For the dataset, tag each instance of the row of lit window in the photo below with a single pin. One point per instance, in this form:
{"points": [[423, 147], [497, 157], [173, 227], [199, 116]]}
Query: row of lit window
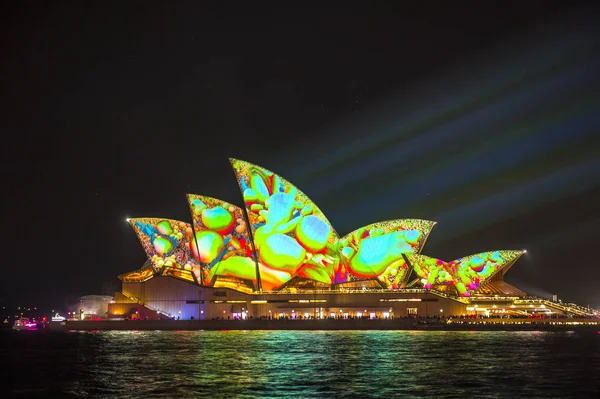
{"points": [[261, 301], [401, 300]]}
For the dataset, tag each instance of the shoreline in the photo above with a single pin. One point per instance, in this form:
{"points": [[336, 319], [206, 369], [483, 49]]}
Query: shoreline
{"points": [[326, 325]]}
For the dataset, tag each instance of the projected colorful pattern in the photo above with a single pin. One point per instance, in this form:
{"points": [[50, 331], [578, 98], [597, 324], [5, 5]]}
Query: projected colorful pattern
{"points": [[292, 236], [375, 251], [178, 273], [223, 243], [466, 274], [286, 235], [432, 271], [473, 270], [138, 276], [167, 243]]}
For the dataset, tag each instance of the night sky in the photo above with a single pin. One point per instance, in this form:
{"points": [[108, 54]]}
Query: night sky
{"points": [[483, 117]]}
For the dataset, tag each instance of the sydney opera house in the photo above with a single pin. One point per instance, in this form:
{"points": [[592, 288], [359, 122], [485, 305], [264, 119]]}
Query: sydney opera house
{"points": [[279, 256]]}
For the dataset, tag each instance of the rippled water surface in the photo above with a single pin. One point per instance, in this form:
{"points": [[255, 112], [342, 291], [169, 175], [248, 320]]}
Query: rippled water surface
{"points": [[300, 364]]}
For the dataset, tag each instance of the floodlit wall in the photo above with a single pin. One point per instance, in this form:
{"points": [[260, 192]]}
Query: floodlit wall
{"points": [[171, 296], [174, 297], [133, 291], [119, 297]]}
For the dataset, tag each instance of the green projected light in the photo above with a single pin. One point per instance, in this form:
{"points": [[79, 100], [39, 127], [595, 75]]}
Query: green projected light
{"points": [[221, 235], [464, 274], [167, 243], [375, 251], [432, 271], [292, 236], [282, 235]]}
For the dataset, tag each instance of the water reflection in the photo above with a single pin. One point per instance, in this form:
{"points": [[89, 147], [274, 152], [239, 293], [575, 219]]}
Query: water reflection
{"points": [[303, 364]]}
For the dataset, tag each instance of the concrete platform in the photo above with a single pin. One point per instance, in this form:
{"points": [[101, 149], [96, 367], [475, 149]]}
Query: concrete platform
{"points": [[326, 324]]}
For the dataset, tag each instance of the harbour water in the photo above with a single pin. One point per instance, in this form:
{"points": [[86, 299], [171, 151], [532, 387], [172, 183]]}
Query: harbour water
{"points": [[300, 364]]}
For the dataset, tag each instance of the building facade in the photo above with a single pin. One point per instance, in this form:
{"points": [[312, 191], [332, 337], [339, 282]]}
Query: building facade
{"points": [[279, 256]]}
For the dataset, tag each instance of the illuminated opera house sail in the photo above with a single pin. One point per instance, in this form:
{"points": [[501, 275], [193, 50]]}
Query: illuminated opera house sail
{"points": [[279, 252]]}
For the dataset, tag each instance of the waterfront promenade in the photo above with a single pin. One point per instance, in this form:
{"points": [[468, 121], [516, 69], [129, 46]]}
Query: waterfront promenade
{"points": [[493, 324]]}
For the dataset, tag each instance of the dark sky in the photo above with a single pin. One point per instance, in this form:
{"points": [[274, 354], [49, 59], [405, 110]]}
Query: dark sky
{"points": [[483, 117]]}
